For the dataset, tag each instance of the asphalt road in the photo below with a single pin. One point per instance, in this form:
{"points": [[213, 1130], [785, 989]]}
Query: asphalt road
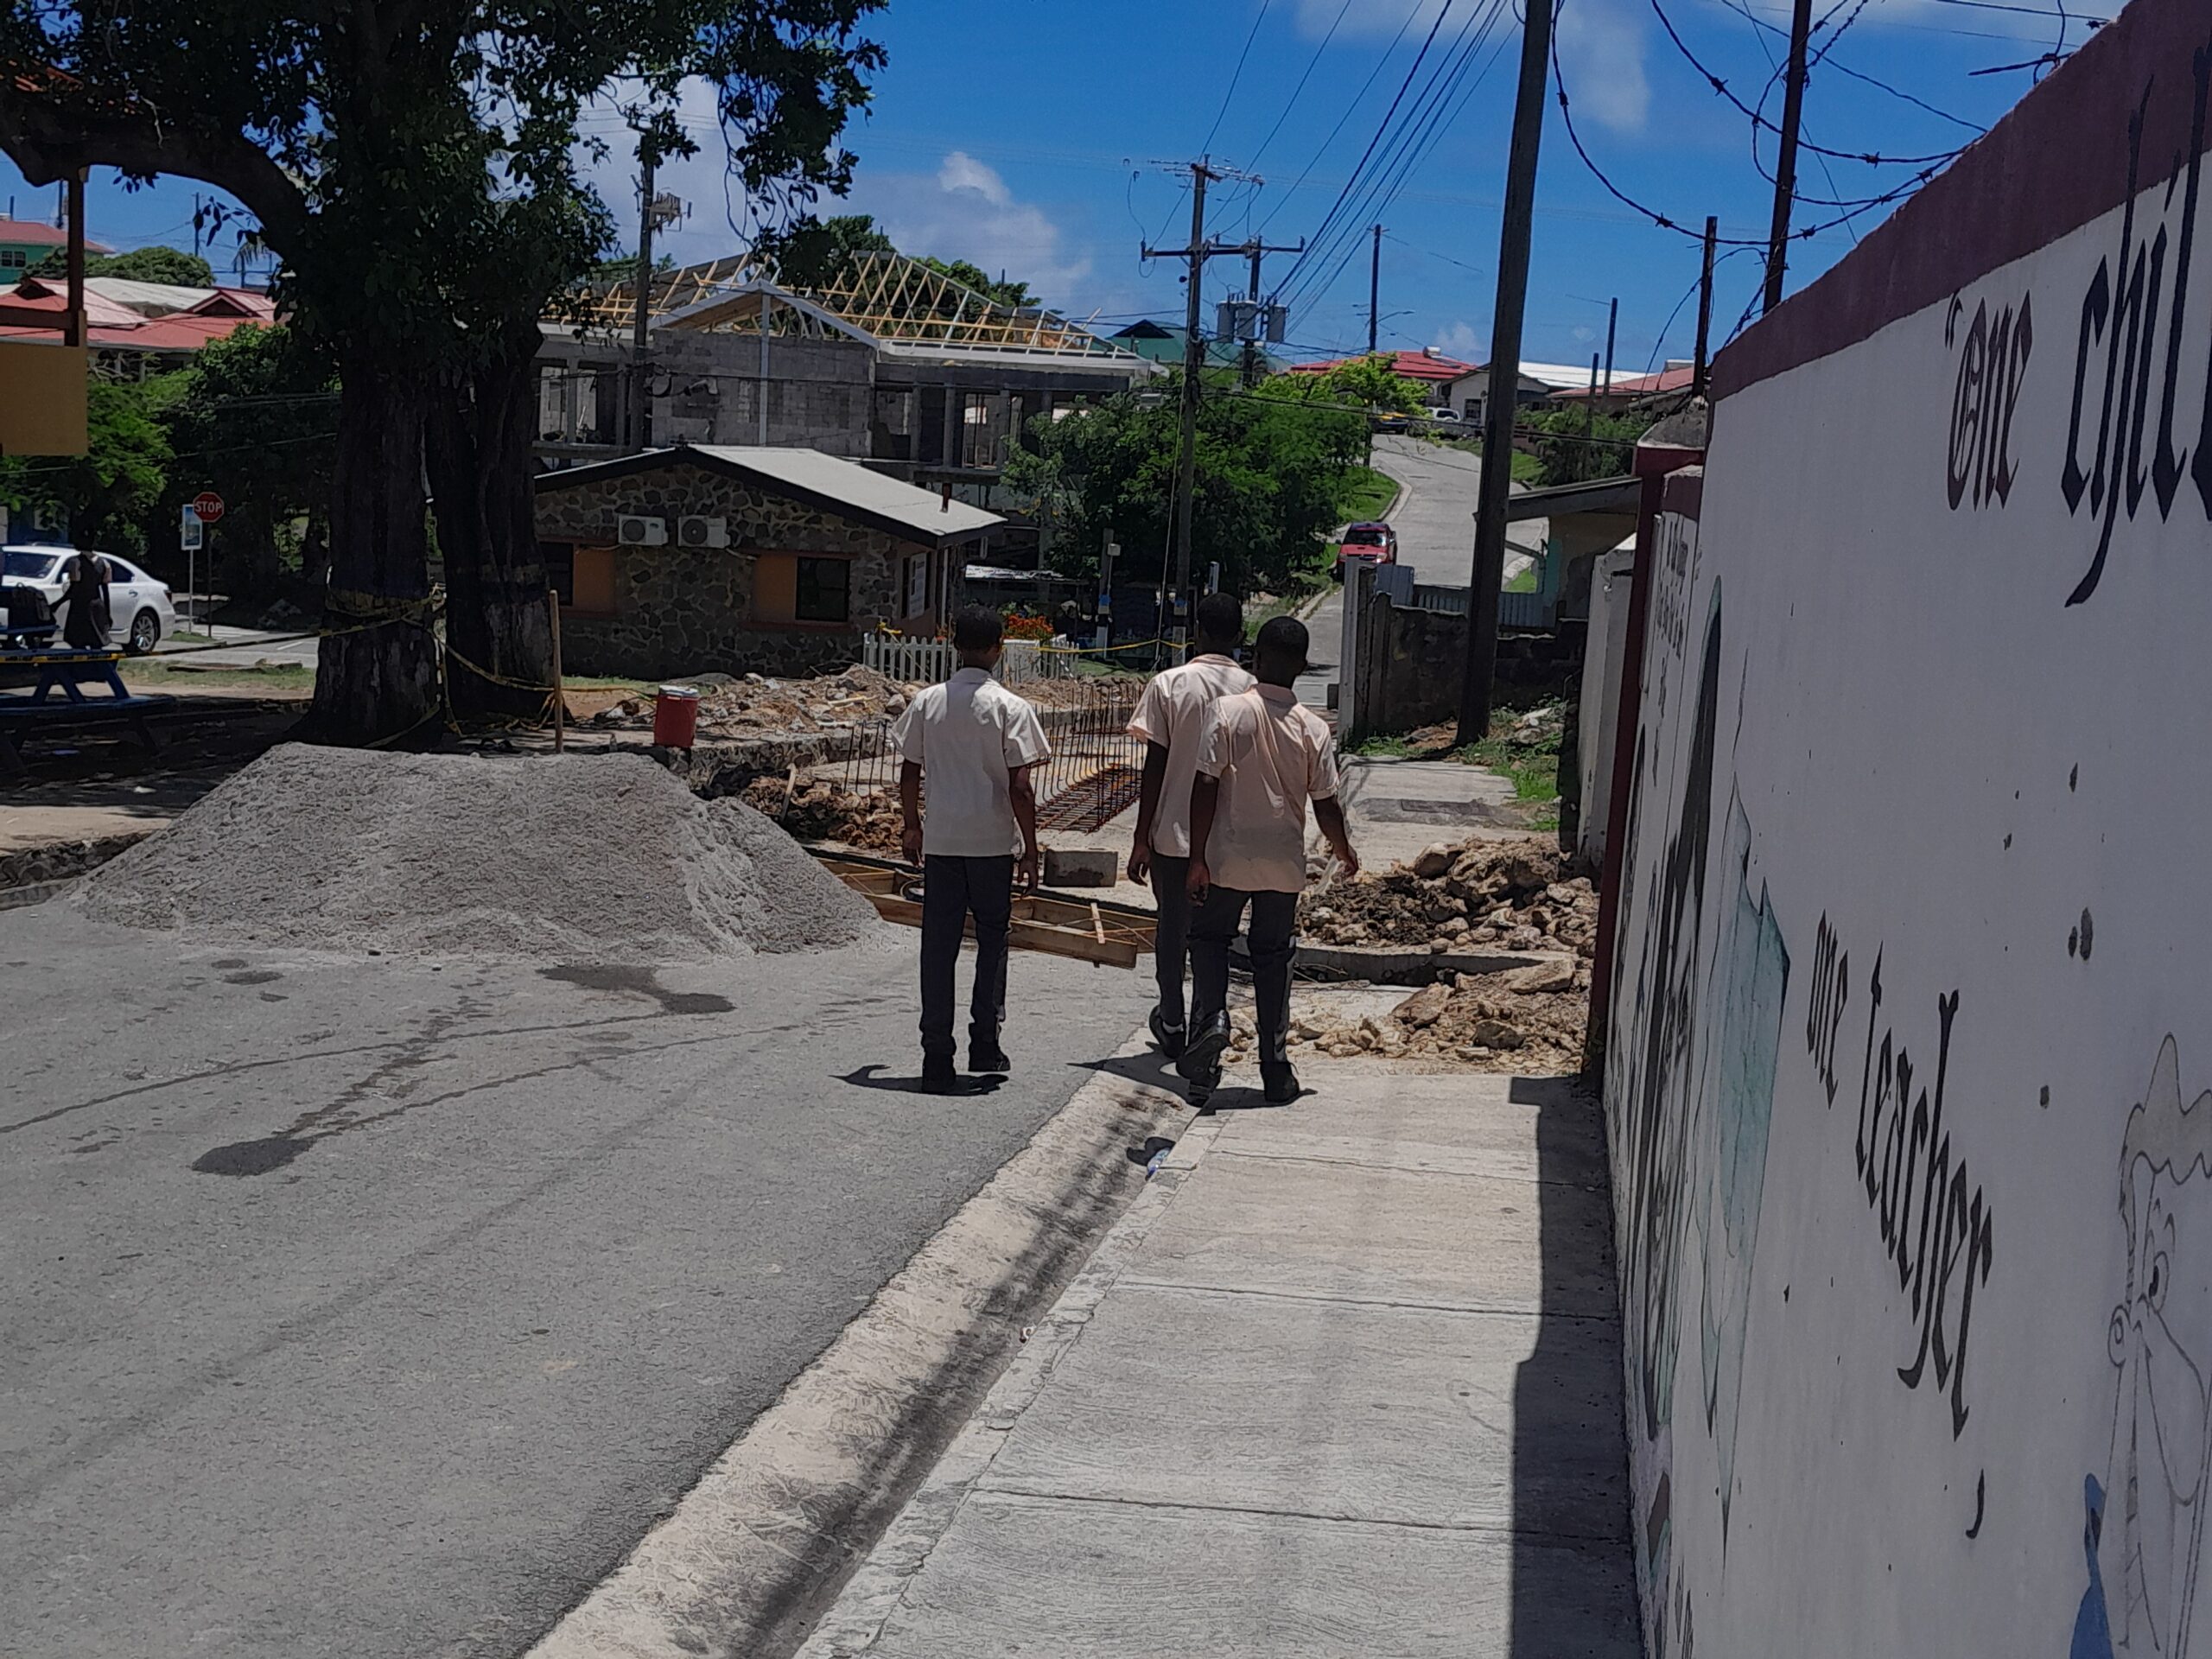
{"points": [[244, 647], [1434, 517], [364, 1309]]}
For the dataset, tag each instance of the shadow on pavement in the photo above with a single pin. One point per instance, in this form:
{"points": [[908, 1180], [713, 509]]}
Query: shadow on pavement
{"points": [[872, 1077], [1573, 1580]]}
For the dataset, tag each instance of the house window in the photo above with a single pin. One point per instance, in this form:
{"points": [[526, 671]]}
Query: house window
{"points": [[796, 588], [825, 590], [14, 259], [917, 584], [583, 577]]}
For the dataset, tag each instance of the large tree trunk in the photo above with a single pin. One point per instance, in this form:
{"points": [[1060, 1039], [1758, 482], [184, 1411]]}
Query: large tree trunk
{"points": [[377, 674], [499, 637]]}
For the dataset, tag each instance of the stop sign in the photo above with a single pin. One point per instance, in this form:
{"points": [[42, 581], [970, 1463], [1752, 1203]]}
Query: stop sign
{"points": [[207, 507]]}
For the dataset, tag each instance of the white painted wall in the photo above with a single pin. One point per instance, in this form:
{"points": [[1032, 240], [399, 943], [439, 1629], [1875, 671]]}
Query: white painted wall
{"points": [[1917, 875]]}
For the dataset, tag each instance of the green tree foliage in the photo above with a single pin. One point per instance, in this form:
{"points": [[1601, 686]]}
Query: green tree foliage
{"points": [[811, 253], [151, 264], [415, 168], [1369, 382], [623, 268], [109, 495], [1570, 454], [1274, 476], [256, 422], [999, 292]]}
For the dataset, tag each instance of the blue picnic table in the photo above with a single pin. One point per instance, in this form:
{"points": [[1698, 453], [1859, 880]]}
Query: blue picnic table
{"points": [[69, 670]]}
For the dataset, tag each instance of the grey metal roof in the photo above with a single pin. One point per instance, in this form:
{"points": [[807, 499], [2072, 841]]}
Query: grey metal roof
{"points": [[831, 482]]}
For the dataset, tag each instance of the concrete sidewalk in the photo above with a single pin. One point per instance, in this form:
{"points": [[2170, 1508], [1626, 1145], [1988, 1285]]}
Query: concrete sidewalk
{"points": [[1344, 1381]]}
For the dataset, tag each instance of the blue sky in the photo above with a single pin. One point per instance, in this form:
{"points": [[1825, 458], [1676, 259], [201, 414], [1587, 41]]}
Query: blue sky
{"points": [[1041, 138]]}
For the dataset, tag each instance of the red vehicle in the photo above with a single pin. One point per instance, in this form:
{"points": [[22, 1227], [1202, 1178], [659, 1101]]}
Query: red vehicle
{"points": [[1376, 544]]}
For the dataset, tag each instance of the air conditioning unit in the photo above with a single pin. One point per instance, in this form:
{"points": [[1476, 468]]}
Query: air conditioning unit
{"points": [[702, 532], [635, 530]]}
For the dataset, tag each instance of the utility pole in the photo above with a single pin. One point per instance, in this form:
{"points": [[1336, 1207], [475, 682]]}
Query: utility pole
{"points": [[1251, 375], [1785, 160], [1704, 310], [1612, 316], [1256, 318], [1374, 288], [1590, 404], [640, 426], [1504, 376], [1186, 466]]}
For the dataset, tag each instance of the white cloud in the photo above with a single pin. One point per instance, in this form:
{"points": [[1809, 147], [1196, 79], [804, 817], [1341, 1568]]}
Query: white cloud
{"points": [[1461, 341], [961, 171], [1601, 52], [966, 210]]}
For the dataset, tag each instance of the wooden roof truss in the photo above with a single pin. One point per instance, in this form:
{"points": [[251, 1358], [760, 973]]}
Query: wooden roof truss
{"points": [[887, 296]]}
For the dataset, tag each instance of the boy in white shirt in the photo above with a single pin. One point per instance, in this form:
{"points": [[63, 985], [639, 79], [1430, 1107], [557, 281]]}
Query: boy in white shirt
{"points": [[1266, 757], [972, 742], [1173, 718]]}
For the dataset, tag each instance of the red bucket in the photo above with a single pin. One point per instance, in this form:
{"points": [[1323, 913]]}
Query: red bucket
{"points": [[675, 716]]}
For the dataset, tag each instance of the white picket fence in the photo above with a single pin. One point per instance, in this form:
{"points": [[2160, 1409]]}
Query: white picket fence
{"points": [[926, 661]]}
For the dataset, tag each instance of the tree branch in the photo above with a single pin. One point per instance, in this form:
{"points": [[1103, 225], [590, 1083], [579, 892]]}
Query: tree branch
{"points": [[52, 135]]}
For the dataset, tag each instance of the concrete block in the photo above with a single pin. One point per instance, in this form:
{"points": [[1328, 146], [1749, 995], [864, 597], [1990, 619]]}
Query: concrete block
{"points": [[1402, 1415], [1236, 1585], [1081, 867]]}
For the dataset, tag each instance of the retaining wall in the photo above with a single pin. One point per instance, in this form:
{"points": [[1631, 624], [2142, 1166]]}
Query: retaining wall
{"points": [[1909, 1071]]}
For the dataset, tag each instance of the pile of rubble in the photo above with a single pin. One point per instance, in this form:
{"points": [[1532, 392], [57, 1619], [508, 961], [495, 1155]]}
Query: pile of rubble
{"points": [[817, 809], [754, 703], [1508, 895], [1531, 1020]]}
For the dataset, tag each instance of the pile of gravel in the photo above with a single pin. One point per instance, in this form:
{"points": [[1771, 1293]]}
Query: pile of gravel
{"points": [[567, 858]]}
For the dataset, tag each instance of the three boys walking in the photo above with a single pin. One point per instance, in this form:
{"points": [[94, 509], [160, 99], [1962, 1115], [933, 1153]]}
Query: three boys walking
{"points": [[1232, 762]]}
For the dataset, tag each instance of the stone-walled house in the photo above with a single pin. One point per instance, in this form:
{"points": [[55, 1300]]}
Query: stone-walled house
{"points": [[765, 561]]}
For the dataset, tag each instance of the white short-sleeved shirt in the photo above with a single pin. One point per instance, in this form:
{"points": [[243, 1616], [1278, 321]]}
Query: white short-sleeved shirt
{"points": [[1174, 712], [1272, 755], [966, 736]]}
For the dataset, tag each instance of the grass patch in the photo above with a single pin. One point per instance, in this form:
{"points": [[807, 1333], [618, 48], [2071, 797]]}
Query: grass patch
{"points": [[603, 683], [1389, 748], [1533, 767], [1526, 469], [1523, 583], [1372, 495], [1528, 759], [287, 678], [1310, 578]]}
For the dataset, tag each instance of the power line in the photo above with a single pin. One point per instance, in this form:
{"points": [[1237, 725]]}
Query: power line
{"points": [[1311, 64], [1235, 76], [1719, 84], [1439, 103], [1350, 104], [1477, 270], [1757, 22], [1404, 85], [1665, 223]]}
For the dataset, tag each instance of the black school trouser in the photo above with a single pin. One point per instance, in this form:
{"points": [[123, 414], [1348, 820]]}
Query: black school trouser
{"points": [[1274, 938], [1170, 934], [953, 889]]}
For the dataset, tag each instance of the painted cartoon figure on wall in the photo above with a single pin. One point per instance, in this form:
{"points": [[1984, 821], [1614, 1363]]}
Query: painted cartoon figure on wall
{"points": [[2145, 1524]]}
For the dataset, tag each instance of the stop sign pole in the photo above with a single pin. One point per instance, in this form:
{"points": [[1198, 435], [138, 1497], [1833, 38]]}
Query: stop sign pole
{"points": [[206, 508]]}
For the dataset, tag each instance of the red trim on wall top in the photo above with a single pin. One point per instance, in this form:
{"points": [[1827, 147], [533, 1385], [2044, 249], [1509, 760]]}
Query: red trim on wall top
{"points": [[2059, 160]]}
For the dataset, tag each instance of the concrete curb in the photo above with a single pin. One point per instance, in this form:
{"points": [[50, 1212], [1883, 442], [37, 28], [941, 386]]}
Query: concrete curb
{"points": [[872, 1596], [744, 1562]]}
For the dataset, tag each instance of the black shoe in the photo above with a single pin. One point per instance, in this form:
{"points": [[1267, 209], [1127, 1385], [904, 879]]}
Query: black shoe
{"points": [[939, 1075], [1170, 1039], [1200, 1060], [988, 1060], [1278, 1083]]}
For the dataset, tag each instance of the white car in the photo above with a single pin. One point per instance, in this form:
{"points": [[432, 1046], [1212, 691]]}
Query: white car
{"points": [[141, 606], [1444, 415]]}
